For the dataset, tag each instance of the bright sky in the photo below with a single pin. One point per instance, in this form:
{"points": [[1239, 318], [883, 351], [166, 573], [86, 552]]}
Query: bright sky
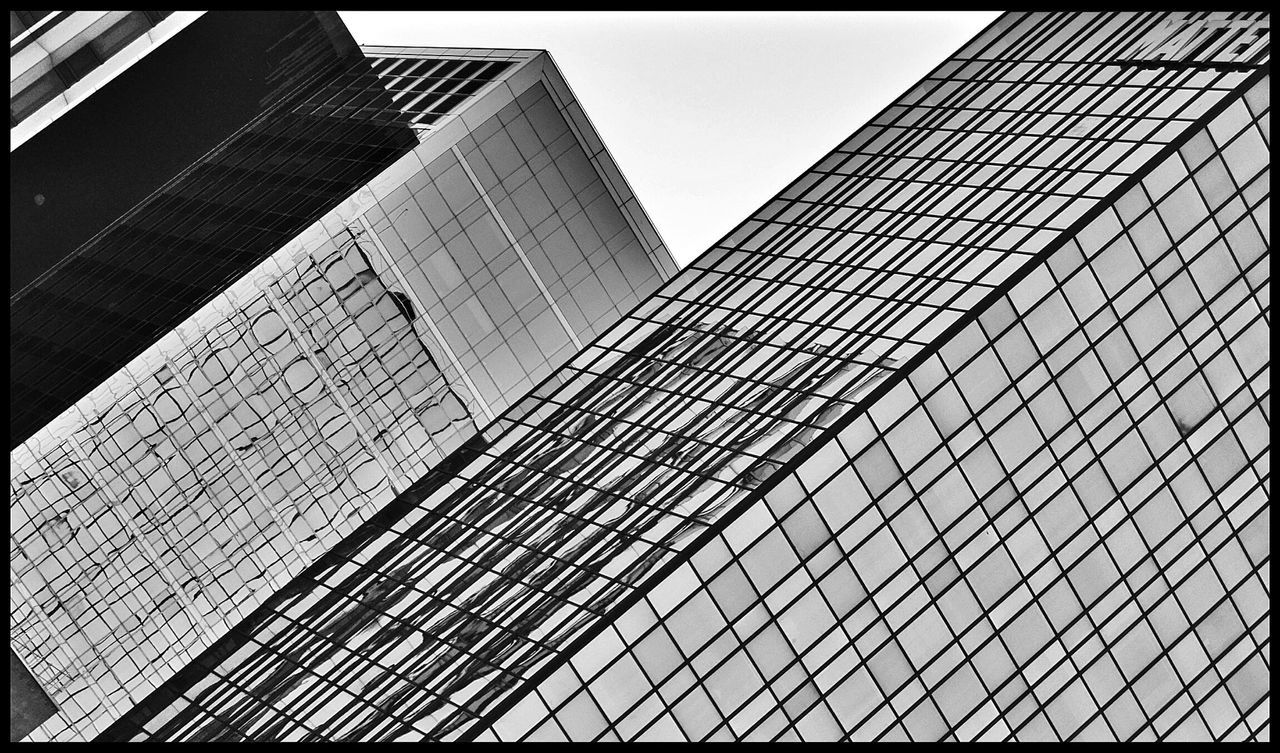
{"points": [[708, 115]]}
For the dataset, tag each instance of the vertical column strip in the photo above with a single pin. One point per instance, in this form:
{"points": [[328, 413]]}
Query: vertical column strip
{"points": [[367, 229], [134, 531], [511, 238], [307, 351], [242, 467], [23, 593]]}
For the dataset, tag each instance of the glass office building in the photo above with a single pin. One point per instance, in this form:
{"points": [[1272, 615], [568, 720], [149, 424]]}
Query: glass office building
{"points": [[962, 436], [146, 197], [169, 502]]}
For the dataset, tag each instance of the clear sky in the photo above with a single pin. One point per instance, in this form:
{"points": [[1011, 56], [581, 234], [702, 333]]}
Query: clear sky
{"points": [[708, 115]]}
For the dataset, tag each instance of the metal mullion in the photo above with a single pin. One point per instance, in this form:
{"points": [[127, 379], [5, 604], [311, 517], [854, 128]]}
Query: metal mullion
{"points": [[773, 288], [1199, 675], [314, 697], [1044, 145], [1257, 729], [340, 601], [960, 108], [883, 617], [1156, 294], [230, 452], [745, 410], [1154, 409], [1118, 325], [444, 522], [865, 288], [756, 381], [518, 603], [410, 77], [506, 538], [1090, 523], [1249, 213], [481, 72], [1082, 66], [441, 71], [754, 327], [732, 630], [640, 426], [802, 561], [128, 523], [875, 231], [1226, 598], [734, 357], [450, 623], [448, 87], [782, 322], [708, 450], [859, 263], [552, 514], [1083, 614], [597, 491], [910, 566], [796, 661], [600, 467], [195, 717], [257, 667], [971, 538], [309, 633], [514, 549], [569, 414], [839, 626], [1165, 653], [979, 163], [837, 264], [410, 72], [39, 615], [688, 384], [595, 442], [750, 413], [907, 213], [1169, 537], [1254, 735]]}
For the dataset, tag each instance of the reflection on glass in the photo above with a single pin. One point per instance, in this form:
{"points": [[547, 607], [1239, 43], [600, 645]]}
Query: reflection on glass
{"points": [[184, 499], [615, 511]]}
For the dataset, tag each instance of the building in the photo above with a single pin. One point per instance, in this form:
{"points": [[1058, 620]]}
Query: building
{"points": [[962, 436], [138, 194], [57, 58], [457, 231]]}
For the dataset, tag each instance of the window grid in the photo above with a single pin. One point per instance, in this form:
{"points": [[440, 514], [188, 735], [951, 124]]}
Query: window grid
{"points": [[467, 501]]}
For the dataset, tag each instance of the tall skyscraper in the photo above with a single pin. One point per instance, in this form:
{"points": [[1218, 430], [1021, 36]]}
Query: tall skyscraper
{"points": [[962, 436], [459, 232], [137, 201]]}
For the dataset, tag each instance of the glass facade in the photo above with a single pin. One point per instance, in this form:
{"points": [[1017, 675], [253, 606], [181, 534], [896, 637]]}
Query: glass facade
{"points": [[962, 436], [1054, 528], [106, 261], [178, 495]]}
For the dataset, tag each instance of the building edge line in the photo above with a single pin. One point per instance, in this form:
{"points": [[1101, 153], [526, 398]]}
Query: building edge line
{"points": [[831, 432]]}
